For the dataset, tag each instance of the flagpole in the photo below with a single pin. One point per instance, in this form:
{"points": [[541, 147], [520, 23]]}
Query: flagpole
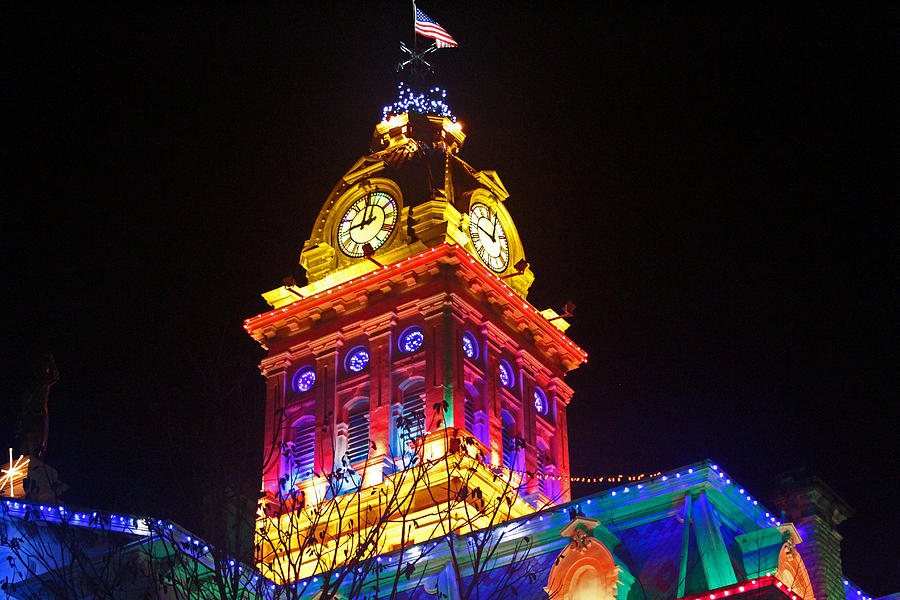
{"points": [[414, 25]]}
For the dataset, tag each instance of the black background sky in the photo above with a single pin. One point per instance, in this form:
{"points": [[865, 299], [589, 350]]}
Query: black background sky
{"points": [[715, 188]]}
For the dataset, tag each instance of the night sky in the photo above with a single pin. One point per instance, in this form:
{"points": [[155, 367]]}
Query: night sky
{"points": [[715, 189]]}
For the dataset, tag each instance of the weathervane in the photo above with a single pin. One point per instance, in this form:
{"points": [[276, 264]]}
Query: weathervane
{"points": [[425, 26], [411, 98], [416, 57]]}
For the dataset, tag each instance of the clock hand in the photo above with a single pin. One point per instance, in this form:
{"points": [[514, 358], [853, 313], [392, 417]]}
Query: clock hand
{"points": [[365, 221], [366, 209], [490, 235]]}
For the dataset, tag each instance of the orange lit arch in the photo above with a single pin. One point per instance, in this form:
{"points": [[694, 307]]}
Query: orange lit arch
{"points": [[792, 572], [584, 570]]}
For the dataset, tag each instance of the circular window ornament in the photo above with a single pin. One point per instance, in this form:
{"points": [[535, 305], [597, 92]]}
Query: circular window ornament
{"points": [[507, 379], [304, 379], [357, 360], [540, 401], [469, 346], [411, 339]]}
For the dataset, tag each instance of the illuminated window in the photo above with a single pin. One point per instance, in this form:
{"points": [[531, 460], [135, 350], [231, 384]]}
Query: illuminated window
{"points": [[411, 339], [469, 414], [541, 459], [413, 416], [408, 422], [544, 468], [540, 401], [304, 379], [508, 433], [357, 360], [507, 379], [303, 451], [470, 346], [474, 418], [358, 434]]}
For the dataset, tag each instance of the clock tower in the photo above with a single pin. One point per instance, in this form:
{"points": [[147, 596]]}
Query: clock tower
{"points": [[412, 339]]}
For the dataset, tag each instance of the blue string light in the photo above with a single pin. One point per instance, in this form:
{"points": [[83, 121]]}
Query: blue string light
{"points": [[357, 360], [431, 102], [411, 339]]}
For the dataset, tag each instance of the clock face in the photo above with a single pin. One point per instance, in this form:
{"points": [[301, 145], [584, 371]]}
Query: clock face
{"points": [[489, 237], [369, 220]]}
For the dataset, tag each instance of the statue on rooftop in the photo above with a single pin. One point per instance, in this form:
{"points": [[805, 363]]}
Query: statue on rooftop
{"points": [[34, 419]]}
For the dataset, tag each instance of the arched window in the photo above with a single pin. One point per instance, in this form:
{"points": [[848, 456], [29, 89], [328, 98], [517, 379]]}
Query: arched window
{"points": [[469, 414], [544, 469], [358, 433], [474, 418], [508, 434], [413, 414], [541, 471], [303, 452], [408, 422]]}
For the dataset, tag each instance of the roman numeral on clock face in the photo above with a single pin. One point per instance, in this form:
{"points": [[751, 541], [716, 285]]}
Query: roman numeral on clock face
{"points": [[370, 219], [488, 237]]}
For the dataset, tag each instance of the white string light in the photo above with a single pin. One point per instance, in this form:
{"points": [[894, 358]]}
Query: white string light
{"points": [[430, 103]]}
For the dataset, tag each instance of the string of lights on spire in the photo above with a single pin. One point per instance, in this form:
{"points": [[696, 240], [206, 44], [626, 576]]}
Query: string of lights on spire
{"points": [[432, 102]]}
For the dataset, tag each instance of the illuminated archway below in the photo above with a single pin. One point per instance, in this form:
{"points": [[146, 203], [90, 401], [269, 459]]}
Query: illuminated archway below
{"points": [[585, 569], [792, 572]]}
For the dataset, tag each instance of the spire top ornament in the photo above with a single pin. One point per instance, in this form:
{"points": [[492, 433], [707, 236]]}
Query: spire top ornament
{"points": [[411, 98], [416, 58]]}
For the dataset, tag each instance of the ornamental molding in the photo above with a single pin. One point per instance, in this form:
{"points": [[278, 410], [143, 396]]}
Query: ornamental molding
{"points": [[423, 270], [585, 568]]}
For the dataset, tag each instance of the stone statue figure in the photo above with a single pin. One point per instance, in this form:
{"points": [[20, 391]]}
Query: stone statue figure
{"points": [[34, 419]]}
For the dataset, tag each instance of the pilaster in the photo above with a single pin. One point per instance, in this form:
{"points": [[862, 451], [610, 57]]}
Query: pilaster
{"points": [[381, 392], [327, 413]]}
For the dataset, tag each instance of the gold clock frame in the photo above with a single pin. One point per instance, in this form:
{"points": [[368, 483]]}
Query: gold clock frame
{"points": [[520, 283]]}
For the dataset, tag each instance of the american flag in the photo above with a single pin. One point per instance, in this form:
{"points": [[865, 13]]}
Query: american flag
{"points": [[428, 27]]}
